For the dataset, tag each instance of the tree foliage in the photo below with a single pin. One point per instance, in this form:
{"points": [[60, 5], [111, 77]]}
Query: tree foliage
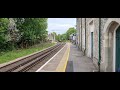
{"points": [[65, 36], [28, 31], [32, 30], [70, 31], [3, 32]]}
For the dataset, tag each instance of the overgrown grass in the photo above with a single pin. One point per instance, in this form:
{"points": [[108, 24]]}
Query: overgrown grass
{"points": [[11, 55], [67, 41]]}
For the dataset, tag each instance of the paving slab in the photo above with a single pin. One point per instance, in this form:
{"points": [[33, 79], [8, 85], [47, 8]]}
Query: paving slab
{"points": [[77, 62]]}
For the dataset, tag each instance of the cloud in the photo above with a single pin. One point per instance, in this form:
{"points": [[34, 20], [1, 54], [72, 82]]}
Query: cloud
{"points": [[60, 25], [59, 28]]}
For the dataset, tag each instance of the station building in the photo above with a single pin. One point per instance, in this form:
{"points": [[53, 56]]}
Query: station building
{"points": [[99, 39]]}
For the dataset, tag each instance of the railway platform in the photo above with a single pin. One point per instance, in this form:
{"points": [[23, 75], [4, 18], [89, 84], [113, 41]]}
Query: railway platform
{"points": [[77, 62], [68, 59], [58, 62]]}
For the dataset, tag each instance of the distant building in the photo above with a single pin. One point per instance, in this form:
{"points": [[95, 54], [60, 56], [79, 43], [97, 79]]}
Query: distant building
{"points": [[73, 38], [51, 37], [99, 39]]}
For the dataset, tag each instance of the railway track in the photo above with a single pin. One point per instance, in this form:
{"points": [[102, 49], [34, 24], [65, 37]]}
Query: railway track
{"points": [[33, 62]]}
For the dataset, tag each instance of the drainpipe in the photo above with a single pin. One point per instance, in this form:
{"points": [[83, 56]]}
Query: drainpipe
{"points": [[99, 61], [81, 34], [85, 37]]}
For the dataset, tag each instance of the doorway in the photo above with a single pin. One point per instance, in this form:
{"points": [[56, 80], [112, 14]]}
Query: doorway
{"points": [[91, 44], [111, 47], [117, 66]]}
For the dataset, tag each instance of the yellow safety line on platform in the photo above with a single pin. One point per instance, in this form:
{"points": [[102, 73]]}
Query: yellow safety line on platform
{"points": [[63, 63]]}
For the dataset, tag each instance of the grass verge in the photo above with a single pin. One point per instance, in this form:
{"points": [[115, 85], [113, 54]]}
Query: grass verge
{"points": [[12, 55]]}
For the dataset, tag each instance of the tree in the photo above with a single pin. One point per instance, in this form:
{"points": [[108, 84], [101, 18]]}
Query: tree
{"points": [[22, 32], [3, 32], [13, 34], [65, 36], [32, 30], [70, 31]]}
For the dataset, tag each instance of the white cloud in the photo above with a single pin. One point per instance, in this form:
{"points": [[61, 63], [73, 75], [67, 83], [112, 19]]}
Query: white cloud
{"points": [[59, 28], [60, 25]]}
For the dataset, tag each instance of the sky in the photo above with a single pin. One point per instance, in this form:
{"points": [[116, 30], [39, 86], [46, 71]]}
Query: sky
{"points": [[60, 25]]}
